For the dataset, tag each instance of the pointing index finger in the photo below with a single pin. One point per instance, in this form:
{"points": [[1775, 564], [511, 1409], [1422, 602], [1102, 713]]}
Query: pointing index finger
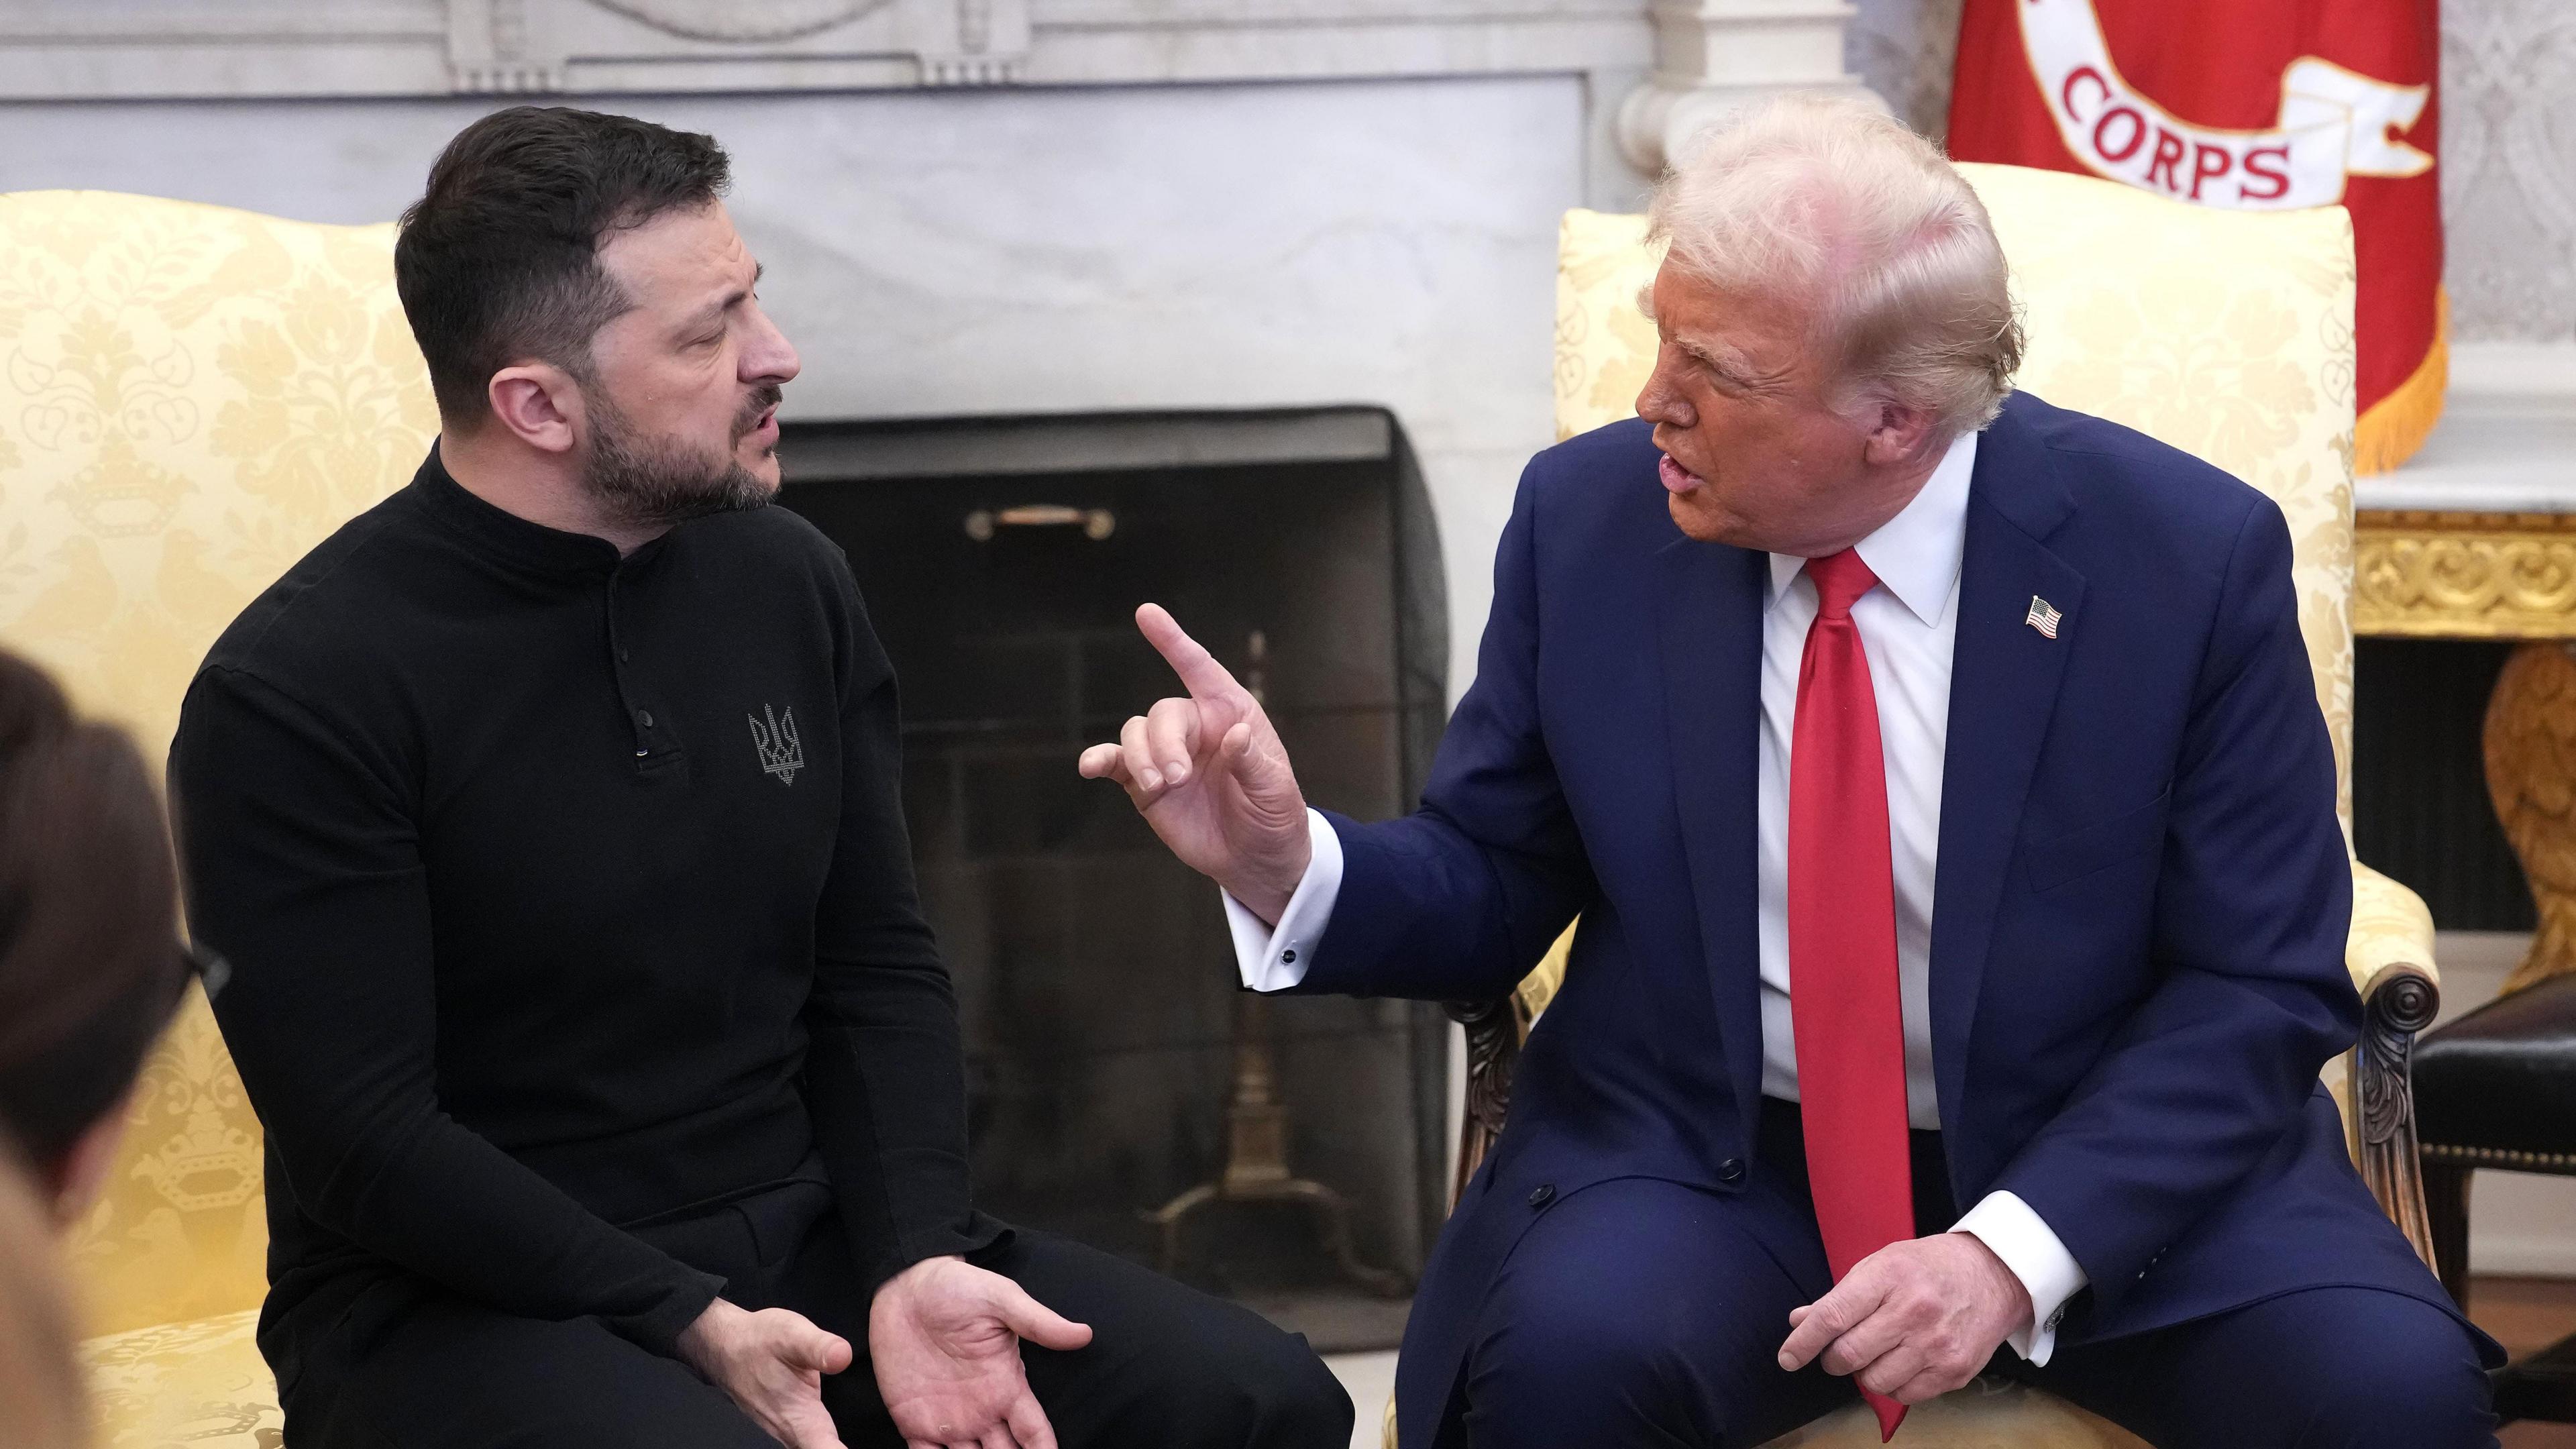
{"points": [[1200, 674]]}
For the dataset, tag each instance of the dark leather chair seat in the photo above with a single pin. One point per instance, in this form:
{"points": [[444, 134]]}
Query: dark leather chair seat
{"points": [[2497, 1088]]}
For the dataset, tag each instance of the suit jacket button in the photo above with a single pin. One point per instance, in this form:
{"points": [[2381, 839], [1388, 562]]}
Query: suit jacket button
{"points": [[1731, 1170], [1541, 1195]]}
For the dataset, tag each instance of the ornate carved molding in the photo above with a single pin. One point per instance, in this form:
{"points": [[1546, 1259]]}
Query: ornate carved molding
{"points": [[105, 49], [2529, 742], [1712, 56], [2465, 575], [513, 46], [742, 20]]}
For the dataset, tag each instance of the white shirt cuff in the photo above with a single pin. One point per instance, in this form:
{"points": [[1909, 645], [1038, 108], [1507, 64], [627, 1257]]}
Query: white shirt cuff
{"points": [[1273, 958], [2013, 1232]]}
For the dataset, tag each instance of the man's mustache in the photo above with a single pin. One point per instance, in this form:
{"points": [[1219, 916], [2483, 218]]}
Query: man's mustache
{"points": [[762, 399]]}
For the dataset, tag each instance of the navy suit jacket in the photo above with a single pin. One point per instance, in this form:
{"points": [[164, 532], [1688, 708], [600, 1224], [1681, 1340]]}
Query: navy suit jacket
{"points": [[2140, 904]]}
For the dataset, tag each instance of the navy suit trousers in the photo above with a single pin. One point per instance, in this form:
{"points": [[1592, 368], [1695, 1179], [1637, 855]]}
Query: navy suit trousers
{"points": [[1643, 1312]]}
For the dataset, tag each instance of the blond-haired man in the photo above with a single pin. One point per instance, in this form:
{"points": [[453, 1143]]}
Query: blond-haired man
{"points": [[1836, 631]]}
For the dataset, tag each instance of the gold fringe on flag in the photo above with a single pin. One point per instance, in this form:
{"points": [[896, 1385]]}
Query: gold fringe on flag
{"points": [[2397, 424]]}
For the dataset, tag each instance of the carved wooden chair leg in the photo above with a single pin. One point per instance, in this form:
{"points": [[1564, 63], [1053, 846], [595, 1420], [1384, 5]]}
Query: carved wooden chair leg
{"points": [[2446, 1205]]}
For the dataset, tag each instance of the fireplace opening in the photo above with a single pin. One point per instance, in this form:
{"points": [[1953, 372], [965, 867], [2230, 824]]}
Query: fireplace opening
{"points": [[1122, 1089]]}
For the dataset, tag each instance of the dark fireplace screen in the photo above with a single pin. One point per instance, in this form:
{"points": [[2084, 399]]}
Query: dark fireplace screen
{"points": [[1122, 1089]]}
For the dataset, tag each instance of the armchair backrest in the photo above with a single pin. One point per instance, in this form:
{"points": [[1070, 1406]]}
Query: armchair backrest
{"points": [[190, 398], [2227, 334]]}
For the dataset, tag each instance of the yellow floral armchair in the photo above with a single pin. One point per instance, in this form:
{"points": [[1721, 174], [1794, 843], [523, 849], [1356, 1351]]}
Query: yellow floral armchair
{"points": [[190, 398], [2227, 334]]}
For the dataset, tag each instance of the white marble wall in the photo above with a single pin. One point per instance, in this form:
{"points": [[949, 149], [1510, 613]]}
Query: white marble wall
{"points": [[2509, 168], [1904, 50], [1032, 251]]}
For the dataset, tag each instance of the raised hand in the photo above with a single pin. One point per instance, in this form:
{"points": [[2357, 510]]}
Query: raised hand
{"points": [[771, 1364], [1209, 774], [944, 1337]]}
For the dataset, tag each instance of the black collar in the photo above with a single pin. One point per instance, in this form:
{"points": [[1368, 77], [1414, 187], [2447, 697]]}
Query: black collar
{"points": [[505, 535]]}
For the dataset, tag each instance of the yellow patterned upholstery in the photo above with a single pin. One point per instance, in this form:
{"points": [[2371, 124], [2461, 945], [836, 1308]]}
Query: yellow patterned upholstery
{"points": [[197, 1382], [2227, 334], [190, 398]]}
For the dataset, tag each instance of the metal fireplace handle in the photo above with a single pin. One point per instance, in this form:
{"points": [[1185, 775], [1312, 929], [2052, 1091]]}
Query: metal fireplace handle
{"points": [[1096, 523]]}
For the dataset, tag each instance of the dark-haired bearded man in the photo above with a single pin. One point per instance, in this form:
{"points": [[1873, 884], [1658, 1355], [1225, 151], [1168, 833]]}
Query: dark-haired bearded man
{"points": [[611, 1077]]}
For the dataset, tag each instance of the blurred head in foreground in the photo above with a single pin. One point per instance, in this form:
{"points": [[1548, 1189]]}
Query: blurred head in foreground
{"points": [[1832, 309], [91, 968]]}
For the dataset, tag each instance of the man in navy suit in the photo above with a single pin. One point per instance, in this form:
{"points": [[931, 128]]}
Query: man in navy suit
{"points": [[1837, 630]]}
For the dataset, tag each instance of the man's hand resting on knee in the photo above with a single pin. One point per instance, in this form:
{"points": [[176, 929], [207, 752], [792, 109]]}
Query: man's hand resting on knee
{"points": [[771, 1363], [945, 1338], [1913, 1320]]}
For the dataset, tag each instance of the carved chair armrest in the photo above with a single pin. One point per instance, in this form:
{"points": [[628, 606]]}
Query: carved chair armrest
{"points": [[1495, 1031], [2401, 1001], [2390, 955]]}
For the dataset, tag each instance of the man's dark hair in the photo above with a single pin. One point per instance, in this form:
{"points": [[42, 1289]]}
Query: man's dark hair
{"points": [[90, 962], [498, 261]]}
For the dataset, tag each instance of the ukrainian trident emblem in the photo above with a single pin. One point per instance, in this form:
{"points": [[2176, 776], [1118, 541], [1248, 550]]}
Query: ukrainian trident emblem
{"points": [[781, 753]]}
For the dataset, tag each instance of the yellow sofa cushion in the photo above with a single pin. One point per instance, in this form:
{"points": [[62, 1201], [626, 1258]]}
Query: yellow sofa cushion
{"points": [[1987, 1414], [190, 398]]}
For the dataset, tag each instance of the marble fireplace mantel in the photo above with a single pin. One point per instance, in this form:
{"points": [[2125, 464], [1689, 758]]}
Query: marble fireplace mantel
{"points": [[1671, 65]]}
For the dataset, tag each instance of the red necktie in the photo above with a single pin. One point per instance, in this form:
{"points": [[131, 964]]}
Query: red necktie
{"points": [[1843, 1001]]}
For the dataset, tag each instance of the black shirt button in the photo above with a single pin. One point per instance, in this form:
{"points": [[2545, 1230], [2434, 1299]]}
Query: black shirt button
{"points": [[644, 717], [1731, 1170], [1543, 1194], [625, 656], [1288, 957]]}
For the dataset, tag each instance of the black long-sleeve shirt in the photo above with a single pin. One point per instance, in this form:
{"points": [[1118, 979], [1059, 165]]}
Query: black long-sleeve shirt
{"points": [[564, 891]]}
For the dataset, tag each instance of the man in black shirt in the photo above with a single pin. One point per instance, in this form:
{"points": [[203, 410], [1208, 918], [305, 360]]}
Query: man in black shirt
{"points": [[547, 814]]}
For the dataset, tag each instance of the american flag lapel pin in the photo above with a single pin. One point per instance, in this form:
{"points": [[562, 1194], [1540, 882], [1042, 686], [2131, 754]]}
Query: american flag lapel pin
{"points": [[2043, 616]]}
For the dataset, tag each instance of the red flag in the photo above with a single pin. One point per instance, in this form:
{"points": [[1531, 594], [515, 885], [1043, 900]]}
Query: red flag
{"points": [[2262, 104]]}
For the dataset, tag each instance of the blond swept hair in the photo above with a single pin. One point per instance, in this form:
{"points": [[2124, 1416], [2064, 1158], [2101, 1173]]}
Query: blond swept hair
{"points": [[1826, 202]]}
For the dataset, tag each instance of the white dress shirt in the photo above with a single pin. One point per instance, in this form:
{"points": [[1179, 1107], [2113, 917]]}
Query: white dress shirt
{"points": [[1907, 628]]}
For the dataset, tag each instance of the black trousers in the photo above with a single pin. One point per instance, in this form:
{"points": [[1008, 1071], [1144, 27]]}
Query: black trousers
{"points": [[411, 1368]]}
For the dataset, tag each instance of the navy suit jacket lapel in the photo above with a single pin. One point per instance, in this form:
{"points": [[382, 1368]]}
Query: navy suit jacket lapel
{"points": [[1709, 601], [2004, 677]]}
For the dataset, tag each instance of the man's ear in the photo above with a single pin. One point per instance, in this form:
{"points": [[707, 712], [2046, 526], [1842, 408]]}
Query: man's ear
{"points": [[1898, 435], [540, 404]]}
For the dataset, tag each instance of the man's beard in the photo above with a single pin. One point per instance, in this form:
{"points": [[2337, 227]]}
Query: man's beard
{"points": [[657, 482]]}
